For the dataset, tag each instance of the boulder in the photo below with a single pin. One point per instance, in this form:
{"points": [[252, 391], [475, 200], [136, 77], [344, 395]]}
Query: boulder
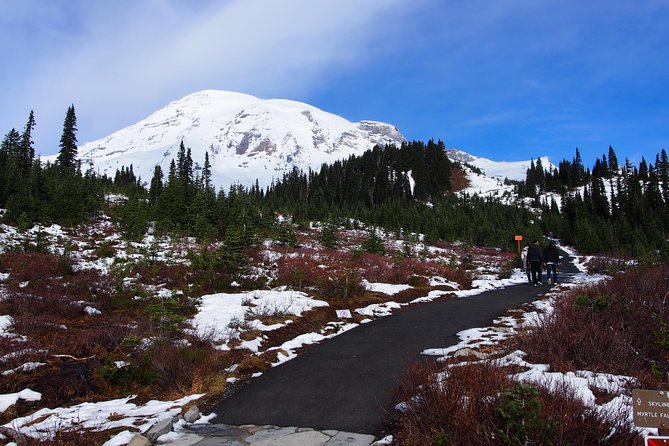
{"points": [[192, 415], [139, 440], [160, 428]]}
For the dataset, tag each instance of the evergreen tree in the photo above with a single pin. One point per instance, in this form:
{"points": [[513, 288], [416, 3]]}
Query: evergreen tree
{"points": [[135, 218], [206, 172], [232, 256], [579, 170], [373, 243], [26, 148], [328, 237], [9, 167], [67, 157], [156, 187], [613, 161]]}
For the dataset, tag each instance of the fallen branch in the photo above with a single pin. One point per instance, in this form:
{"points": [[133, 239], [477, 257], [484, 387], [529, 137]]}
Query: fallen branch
{"points": [[74, 358], [16, 436]]}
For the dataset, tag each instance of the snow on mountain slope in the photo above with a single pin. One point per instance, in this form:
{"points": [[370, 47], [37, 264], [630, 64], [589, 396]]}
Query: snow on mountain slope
{"points": [[490, 183], [483, 185], [513, 170], [247, 138]]}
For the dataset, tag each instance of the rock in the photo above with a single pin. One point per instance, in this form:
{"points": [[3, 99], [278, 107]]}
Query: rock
{"points": [[278, 438], [139, 440], [464, 352], [270, 433], [350, 439], [160, 428], [192, 415]]}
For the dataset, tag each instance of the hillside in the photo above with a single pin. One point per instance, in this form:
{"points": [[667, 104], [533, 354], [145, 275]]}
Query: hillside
{"points": [[161, 317]]}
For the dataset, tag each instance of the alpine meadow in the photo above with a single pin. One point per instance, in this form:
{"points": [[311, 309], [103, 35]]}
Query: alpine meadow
{"points": [[298, 223]]}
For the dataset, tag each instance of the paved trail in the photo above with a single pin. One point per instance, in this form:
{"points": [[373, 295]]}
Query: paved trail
{"points": [[347, 383]]}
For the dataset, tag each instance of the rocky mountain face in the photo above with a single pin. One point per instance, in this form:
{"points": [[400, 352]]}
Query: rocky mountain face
{"points": [[247, 138]]}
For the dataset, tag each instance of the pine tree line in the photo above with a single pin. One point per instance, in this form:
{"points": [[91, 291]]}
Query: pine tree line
{"points": [[613, 208], [32, 192], [405, 188]]}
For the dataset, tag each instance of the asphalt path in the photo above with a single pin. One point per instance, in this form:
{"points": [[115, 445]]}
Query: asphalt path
{"points": [[347, 383]]}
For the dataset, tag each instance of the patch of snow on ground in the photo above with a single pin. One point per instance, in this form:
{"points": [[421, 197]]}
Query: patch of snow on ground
{"points": [[99, 416], [218, 311], [9, 399], [385, 288], [5, 323], [379, 310]]}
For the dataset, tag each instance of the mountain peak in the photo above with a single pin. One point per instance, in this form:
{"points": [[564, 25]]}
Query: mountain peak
{"points": [[247, 138]]}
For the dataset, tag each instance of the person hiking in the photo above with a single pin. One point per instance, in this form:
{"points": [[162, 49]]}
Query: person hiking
{"points": [[552, 261], [535, 258], [525, 263]]}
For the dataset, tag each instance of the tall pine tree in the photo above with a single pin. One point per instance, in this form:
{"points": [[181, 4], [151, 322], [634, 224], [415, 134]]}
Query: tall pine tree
{"points": [[67, 157]]}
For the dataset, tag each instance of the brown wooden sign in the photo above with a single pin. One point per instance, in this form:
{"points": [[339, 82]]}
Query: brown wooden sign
{"points": [[650, 408]]}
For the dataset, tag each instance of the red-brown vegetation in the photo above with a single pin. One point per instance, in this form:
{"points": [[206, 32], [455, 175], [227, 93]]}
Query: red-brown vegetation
{"points": [[464, 405], [619, 326]]}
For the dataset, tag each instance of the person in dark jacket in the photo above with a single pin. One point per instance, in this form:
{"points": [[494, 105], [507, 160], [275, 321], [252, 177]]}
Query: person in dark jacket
{"points": [[552, 262], [535, 259]]}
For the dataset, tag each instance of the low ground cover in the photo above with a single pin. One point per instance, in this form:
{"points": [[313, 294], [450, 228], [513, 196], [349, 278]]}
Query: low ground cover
{"points": [[564, 377], [89, 316]]}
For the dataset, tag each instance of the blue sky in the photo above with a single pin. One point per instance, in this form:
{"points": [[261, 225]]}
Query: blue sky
{"points": [[507, 80]]}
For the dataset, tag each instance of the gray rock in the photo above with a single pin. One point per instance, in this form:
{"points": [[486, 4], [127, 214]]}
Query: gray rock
{"points": [[192, 415], [309, 438], [160, 428], [139, 440], [350, 439], [185, 440], [215, 430], [218, 441], [271, 432], [463, 352]]}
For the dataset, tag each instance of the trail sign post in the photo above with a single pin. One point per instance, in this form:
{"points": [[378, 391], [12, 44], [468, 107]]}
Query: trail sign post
{"points": [[650, 408], [518, 239]]}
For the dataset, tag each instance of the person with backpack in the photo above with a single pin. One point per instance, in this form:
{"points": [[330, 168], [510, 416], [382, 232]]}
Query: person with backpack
{"points": [[535, 258], [552, 261], [525, 263]]}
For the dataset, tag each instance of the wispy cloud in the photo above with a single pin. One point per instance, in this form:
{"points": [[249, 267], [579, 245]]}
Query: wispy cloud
{"points": [[477, 73], [109, 57]]}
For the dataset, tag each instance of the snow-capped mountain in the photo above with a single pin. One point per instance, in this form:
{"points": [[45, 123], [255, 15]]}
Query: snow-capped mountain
{"points": [[490, 182], [247, 138], [513, 170]]}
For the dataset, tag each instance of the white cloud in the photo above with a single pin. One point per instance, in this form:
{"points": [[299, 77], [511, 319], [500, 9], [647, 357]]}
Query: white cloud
{"points": [[119, 61]]}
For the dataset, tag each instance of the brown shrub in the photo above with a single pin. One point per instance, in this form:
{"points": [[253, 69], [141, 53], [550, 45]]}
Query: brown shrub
{"points": [[253, 364], [460, 408], [577, 424], [331, 280], [598, 328], [31, 266], [166, 370], [463, 407], [298, 272]]}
